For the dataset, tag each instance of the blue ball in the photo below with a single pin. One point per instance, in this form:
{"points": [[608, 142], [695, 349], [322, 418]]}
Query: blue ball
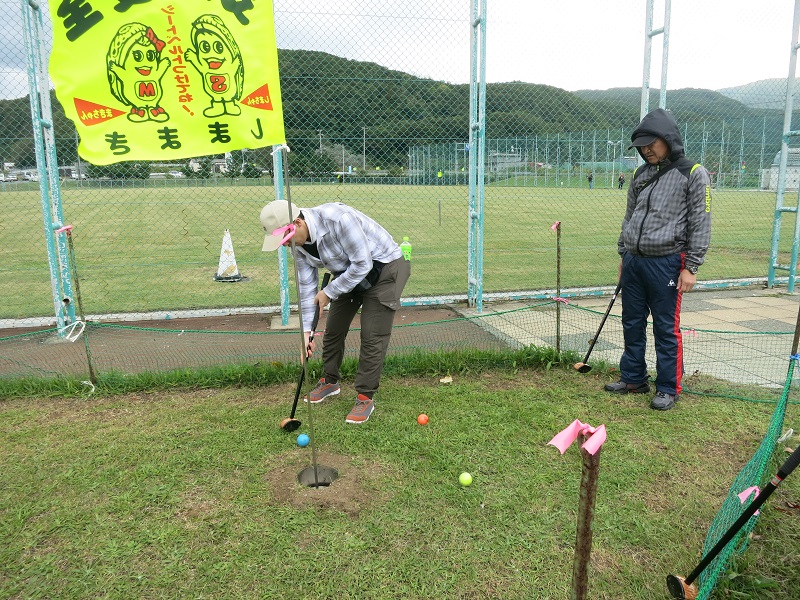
{"points": [[303, 439]]}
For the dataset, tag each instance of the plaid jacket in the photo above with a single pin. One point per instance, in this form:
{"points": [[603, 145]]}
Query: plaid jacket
{"points": [[348, 241]]}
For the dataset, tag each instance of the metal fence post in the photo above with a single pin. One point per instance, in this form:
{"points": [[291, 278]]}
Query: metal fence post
{"points": [[780, 208], [283, 260], [47, 165], [477, 155]]}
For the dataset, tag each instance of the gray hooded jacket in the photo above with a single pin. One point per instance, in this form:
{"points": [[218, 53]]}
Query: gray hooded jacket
{"points": [[671, 213]]}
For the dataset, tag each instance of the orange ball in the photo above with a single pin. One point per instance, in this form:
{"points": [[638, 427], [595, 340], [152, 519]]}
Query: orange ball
{"points": [[422, 419]]}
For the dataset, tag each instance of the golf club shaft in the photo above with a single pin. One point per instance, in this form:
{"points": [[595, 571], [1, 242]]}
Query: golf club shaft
{"points": [[787, 467], [603, 321], [325, 279], [796, 339], [297, 390]]}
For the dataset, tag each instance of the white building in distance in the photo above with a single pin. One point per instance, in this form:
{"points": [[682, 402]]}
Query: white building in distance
{"points": [[769, 177]]}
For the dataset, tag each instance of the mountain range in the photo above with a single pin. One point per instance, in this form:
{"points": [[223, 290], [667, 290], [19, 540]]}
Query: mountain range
{"points": [[766, 93], [371, 110]]}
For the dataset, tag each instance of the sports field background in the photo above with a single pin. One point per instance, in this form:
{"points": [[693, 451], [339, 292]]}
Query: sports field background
{"points": [[157, 248]]}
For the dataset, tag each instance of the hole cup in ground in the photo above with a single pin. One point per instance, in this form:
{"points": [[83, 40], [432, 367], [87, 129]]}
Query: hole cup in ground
{"points": [[324, 477]]}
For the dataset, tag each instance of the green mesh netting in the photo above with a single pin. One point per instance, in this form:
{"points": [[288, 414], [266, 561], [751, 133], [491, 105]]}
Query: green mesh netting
{"points": [[751, 475], [753, 358]]}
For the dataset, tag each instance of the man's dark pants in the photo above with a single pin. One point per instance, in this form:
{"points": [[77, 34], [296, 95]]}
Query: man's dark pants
{"points": [[650, 287]]}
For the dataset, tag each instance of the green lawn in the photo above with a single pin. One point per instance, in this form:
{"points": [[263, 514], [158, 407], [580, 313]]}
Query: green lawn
{"points": [[157, 248], [193, 494]]}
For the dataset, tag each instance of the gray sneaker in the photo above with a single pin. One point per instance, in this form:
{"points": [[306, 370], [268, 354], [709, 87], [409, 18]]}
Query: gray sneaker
{"points": [[361, 411], [620, 387], [322, 390], [663, 401]]}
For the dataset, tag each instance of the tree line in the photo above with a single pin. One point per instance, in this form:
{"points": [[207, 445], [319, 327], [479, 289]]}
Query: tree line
{"points": [[341, 114]]}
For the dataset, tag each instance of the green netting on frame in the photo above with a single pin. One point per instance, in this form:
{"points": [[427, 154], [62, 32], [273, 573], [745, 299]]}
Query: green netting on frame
{"points": [[753, 474], [749, 358]]}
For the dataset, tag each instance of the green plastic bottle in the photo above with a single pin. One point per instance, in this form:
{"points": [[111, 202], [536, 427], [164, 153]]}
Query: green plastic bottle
{"points": [[405, 246]]}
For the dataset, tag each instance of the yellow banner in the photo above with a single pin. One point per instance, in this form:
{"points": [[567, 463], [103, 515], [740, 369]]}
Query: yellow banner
{"points": [[161, 80]]}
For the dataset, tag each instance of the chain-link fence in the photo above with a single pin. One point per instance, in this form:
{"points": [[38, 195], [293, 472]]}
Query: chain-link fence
{"points": [[376, 99], [376, 109]]}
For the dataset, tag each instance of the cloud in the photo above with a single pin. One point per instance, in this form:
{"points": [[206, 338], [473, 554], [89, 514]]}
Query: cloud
{"points": [[571, 44], [13, 69], [422, 38], [13, 54]]}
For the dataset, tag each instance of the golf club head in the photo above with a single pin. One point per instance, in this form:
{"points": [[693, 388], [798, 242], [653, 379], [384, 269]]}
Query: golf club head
{"points": [[678, 588], [290, 425], [582, 367]]}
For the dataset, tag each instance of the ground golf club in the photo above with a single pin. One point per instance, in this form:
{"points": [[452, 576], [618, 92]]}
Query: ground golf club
{"points": [[584, 367], [291, 423], [684, 589]]}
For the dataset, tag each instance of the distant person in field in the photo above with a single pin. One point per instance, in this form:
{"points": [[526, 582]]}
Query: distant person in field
{"points": [[369, 273], [621, 180], [665, 235], [590, 179]]}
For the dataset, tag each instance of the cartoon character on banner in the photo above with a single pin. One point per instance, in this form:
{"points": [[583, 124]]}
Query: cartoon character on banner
{"points": [[216, 56], [135, 70]]}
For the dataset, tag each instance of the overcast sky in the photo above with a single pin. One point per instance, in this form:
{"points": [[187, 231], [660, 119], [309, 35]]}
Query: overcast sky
{"points": [[579, 44], [571, 44]]}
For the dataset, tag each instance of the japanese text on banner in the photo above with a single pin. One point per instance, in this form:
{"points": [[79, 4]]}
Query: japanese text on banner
{"points": [[156, 80]]}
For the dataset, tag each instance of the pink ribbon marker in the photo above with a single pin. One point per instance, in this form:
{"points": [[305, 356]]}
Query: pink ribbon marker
{"points": [[64, 228], [560, 299], [745, 494], [555, 225], [290, 230], [563, 439]]}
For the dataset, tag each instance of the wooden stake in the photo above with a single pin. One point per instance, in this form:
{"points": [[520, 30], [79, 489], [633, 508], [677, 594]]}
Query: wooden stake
{"points": [[583, 537]]}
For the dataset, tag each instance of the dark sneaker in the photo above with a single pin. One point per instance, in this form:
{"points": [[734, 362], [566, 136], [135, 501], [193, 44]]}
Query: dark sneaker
{"points": [[620, 387], [663, 401], [322, 390], [361, 411]]}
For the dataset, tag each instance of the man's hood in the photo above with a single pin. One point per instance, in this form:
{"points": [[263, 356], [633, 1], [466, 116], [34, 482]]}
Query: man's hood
{"points": [[661, 123]]}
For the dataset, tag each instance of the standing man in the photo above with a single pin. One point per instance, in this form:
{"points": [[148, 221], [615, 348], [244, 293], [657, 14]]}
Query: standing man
{"points": [[621, 180], [369, 274], [664, 239], [590, 179]]}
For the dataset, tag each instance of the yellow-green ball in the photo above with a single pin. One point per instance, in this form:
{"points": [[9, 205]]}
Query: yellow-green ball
{"points": [[465, 479]]}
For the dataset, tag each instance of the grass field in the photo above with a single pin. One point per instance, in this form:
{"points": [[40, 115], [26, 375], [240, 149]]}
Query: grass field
{"points": [[158, 248], [193, 493]]}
